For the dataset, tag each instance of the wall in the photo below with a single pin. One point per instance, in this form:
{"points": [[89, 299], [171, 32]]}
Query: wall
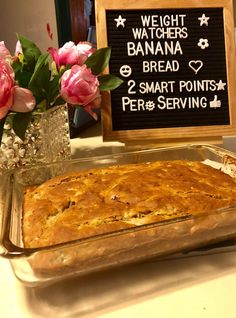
{"points": [[29, 18]]}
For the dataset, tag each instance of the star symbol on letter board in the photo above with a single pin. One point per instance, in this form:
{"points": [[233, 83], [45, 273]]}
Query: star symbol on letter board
{"points": [[220, 85], [120, 21], [203, 20]]}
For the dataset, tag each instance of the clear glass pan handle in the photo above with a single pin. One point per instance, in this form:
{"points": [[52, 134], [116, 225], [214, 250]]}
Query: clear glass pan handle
{"points": [[5, 204]]}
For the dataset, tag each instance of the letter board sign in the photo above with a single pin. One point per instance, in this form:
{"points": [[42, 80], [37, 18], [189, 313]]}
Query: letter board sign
{"points": [[177, 60]]}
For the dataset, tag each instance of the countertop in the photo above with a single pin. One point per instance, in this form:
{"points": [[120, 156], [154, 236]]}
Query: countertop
{"points": [[191, 286]]}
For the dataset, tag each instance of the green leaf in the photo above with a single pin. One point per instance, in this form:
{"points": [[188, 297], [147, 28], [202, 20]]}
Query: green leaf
{"points": [[20, 123], [23, 73], [99, 60], [30, 50], [40, 79], [109, 82], [2, 122], [17, 66], [41, 63], [53, 89], [23, 78]]}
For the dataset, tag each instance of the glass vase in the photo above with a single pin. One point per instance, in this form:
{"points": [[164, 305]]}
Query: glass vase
{"points": [[47, 139]]}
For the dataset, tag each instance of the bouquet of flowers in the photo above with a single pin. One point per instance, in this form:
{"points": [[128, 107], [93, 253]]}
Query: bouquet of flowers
{"points": [[32, 81]]}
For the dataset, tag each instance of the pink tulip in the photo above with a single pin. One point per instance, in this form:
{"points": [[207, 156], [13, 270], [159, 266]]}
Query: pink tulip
{"points": [[24, 100], [6, 87], [79, 86], [4, 53], [85, 49], [13, 97], [71, 54], [95, 103], [18, 49]]}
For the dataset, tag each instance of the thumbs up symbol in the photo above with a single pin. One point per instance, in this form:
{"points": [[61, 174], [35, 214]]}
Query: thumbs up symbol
{"points": [[215, 103]]}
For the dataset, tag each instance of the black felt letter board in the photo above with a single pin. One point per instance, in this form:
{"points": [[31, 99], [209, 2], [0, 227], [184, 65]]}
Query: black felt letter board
{"points": [[173, 64]]}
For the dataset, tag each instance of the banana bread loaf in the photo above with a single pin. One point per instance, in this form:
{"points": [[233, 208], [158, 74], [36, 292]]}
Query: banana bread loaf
{"points": [[90, 202]]}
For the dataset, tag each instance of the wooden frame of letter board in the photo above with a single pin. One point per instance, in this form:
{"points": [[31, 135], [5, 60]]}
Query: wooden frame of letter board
{"points": [[167, 136]]}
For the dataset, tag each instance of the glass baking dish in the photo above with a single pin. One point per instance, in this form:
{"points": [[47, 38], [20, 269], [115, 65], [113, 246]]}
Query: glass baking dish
{"points": [[180, 235]]}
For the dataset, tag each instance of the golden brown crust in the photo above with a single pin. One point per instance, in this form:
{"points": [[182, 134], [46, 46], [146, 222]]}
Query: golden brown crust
{"points": [[96, 201]]}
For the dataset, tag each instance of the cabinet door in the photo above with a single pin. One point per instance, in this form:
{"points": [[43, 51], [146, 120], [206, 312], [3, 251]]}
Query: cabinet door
{"points": [[79, 21]]}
